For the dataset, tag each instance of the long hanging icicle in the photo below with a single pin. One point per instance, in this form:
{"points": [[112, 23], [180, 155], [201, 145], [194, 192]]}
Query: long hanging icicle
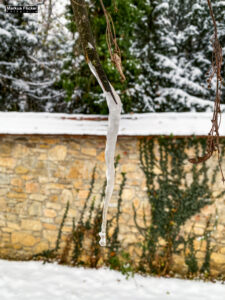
{"points": [[112, 132], [112, 98]]}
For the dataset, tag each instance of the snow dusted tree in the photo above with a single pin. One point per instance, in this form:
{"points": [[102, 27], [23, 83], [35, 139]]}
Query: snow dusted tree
{"points": [[166, 53], [81, 88], [17, 40], [174, 47], [28, 68]]}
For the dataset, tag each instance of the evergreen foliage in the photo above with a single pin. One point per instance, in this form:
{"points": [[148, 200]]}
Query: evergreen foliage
{"points": [[173, 199], [18, 40], [29, 64], [76, 79], [173, 41], [166, 54]]}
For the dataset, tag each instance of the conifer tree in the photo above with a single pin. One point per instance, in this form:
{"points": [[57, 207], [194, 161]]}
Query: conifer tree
{"points": [[176, 53], [17, 41], [81, 87], [28, 68]]}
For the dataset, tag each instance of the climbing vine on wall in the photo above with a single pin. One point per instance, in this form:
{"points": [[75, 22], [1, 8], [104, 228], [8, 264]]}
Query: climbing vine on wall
{"points": [[82, 243], [174, 196]]}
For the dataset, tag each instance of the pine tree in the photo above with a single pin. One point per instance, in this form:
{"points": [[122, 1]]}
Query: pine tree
{"points": [[28, 67], [80, 85], [17, 38], [176, 52]]}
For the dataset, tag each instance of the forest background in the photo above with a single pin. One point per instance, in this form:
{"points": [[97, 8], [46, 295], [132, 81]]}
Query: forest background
{"points": [[166, 53]]}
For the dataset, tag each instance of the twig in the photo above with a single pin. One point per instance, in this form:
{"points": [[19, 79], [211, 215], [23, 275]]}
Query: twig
{"points": [[114, 50], [213, 136]]}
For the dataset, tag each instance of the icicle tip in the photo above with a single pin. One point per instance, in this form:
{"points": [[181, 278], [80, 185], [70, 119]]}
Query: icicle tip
{"points": [[102, 241]]}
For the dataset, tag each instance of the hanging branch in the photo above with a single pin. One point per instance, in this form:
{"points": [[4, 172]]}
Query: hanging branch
{"points": [[88, 44], [112, 98], [213, 136], [114, 50]]}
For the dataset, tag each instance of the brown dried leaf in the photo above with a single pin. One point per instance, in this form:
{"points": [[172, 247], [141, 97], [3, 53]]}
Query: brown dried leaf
{"points": [[117, 61]]}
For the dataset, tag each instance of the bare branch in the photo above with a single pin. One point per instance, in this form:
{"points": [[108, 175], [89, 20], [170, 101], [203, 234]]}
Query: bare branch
{"points": [[88, 43], [213, 136]]}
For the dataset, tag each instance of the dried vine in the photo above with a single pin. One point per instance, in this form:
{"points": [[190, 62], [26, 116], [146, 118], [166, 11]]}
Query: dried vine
{"points": [[213, 136], [88, 43], [114, 50]]}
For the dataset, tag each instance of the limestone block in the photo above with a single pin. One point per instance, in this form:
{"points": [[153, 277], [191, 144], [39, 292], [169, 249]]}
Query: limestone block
{"points": [[23, 238], [30, 224], [66, 196], [43, 179], [57, 153], [101, 156], [44, 146], [21, 170], [199, 231], [32, 187], [126, 168], [3, 204], [2, 223], [74, 146], [7, 229], [200, 255], [179, 265], [27, 177], [17, 196], [49, 213], [12, 225], [50, 235], [6, 149], [67, 228], [51, 140], [53, 205], [89, 151], [43, 156], [128, 194], [50, 226], [54, 186], [40, 247], [82, 194], [4, 178], [35, 209], [72, 213], [73, 173], [16, 182], [20, 150], [7, 162], [37, 197], [125, 218], [53, 198], [17, 246], [218, 259]]}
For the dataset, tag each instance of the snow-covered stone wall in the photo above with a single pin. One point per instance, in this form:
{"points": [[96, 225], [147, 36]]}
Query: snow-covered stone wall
{"points": [[39, 173]]}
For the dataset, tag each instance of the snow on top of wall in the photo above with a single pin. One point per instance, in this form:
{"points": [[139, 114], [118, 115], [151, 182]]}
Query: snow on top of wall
{"points": [[147, 124]]}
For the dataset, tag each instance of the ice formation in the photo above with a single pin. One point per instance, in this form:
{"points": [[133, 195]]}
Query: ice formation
{"points": [[112, 132]]}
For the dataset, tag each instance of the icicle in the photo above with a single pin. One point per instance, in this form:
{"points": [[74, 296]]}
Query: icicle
{"points": [[112, 132]]}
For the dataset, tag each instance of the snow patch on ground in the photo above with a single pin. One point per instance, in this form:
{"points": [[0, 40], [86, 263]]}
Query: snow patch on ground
{"points": [[35, 281]]}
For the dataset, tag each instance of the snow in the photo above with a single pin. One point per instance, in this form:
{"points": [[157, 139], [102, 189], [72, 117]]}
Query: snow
{"points": [[5, 32], [35, 281], [147, 124]]}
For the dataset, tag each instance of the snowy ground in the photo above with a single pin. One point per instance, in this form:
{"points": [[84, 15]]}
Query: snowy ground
{"points": [[35, 281]]}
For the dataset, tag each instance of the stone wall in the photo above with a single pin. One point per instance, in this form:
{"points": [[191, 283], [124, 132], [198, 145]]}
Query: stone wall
{"points": [[39, 174]]}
